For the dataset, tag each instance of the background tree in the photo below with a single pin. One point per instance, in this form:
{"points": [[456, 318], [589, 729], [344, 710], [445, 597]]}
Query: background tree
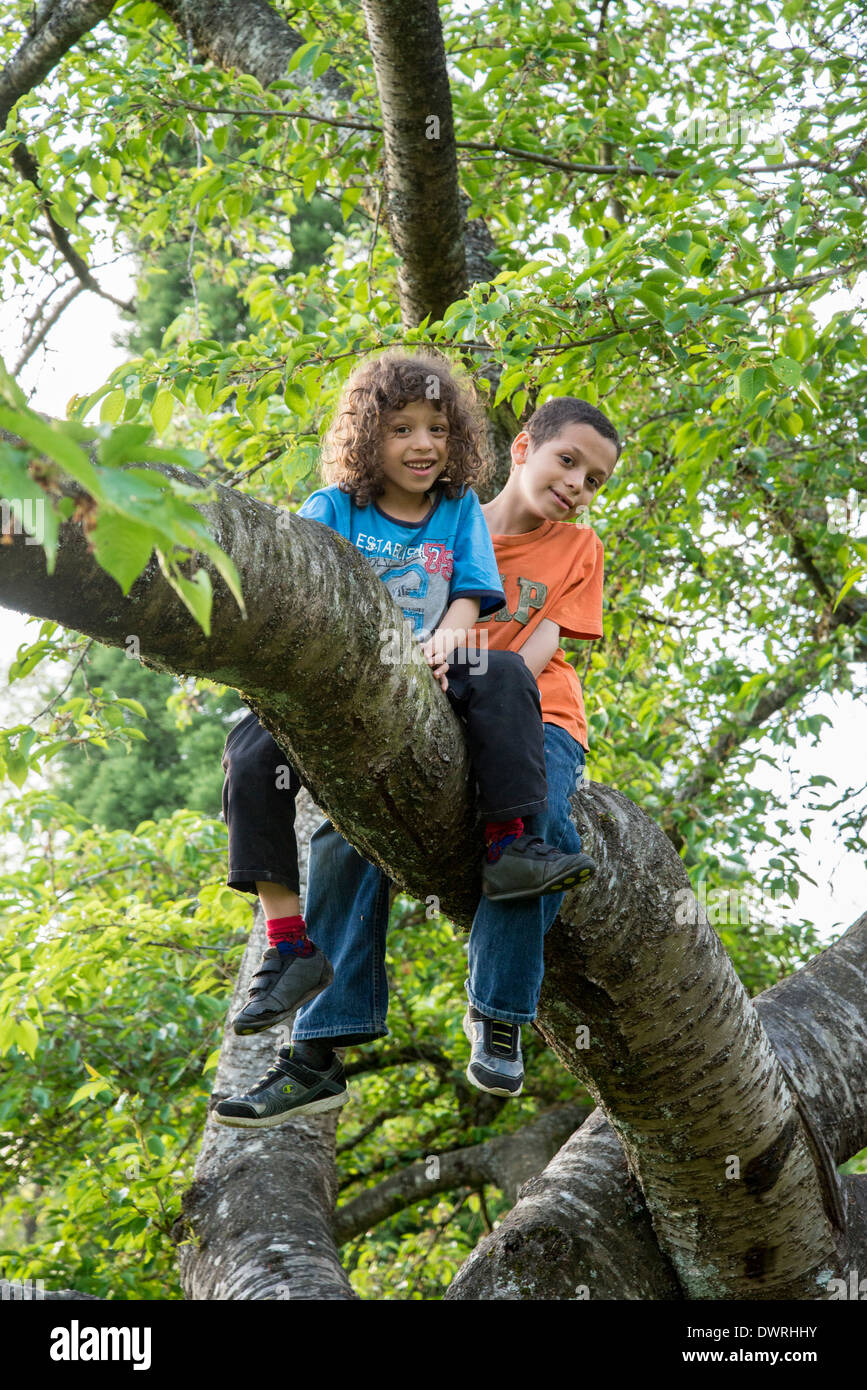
{"points": [[177, 762], [688, 314]]}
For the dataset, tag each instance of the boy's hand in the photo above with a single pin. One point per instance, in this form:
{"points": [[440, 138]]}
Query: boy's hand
{"points": [[434, 655]]}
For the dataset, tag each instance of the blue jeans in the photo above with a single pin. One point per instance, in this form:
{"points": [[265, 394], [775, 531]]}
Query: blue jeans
{"points": [[347, 912]]}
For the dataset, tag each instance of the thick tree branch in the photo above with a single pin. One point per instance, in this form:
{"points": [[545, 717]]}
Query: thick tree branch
{"points": [[421, 177], [55, 31], [671, 1038], [504, 1162], [584, 1223], [248, 35], [256, 1222]]}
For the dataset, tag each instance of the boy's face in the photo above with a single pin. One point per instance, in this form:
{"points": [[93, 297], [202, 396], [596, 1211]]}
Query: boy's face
{"points": [[563, 475], [414, 449]]}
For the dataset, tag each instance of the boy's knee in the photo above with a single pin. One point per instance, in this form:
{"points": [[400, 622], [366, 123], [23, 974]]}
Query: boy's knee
{"points": [[506, 662], [259, 761], [511, 666]]}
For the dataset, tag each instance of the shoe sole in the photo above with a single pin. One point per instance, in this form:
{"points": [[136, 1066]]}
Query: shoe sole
{"points": [[493, 1090], [489, 1090], [249, 1028], [560, 886], [314, 1107]]}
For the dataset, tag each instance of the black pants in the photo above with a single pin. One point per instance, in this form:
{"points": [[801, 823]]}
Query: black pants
{"points": [[506, 745]]}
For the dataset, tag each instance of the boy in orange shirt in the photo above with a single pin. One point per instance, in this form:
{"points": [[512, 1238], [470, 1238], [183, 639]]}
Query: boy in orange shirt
{"points": [[551, 570], [552, 573]]}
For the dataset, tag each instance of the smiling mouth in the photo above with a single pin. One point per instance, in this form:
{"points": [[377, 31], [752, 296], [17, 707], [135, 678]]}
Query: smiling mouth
{"points": [[422, 466], [566, 505]]}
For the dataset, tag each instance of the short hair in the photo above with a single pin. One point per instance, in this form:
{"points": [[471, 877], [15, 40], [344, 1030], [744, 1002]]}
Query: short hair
{"points": [[389, 381], [547, 422]]}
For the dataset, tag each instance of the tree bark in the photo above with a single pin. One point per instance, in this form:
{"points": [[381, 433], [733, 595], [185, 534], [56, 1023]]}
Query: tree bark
{"points": [[257, 1218], [425, 217], [53, 33], [247, 35], [505, 1162], [677, 1053], [584, 1223]]}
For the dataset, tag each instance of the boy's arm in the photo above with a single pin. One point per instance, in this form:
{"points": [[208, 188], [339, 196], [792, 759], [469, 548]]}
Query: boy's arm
{"points": [[540, 646], [451, 633]]}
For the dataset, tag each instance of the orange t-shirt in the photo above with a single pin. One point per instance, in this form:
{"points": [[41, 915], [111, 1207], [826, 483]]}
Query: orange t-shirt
{"points": [[552, 572]]}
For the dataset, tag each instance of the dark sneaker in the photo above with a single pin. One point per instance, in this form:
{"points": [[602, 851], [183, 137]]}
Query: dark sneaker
{"points": [[281, 985], [287, 1089], [529, 867], [496, 1064]]}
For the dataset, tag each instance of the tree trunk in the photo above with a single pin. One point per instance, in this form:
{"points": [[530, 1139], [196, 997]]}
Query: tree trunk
{"points": [[584, 1223], [257, 1219], [741, 1203], [421, 172]]}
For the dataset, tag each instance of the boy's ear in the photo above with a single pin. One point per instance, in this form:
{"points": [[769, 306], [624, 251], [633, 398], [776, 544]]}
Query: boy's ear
{"points": [[519, 450]]}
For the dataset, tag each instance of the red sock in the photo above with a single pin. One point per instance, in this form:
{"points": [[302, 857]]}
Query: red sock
{"points": [[499, 834], [289, 935]]}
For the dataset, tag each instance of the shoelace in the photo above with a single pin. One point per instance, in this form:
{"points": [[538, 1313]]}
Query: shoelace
{"points": [[266, 1080], [271, 1075], [502, 1036]]}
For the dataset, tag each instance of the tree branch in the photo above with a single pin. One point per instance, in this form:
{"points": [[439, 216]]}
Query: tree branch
{"points": [[584, 1221], [505, 1162], [28, 168], [55, 30], [38, 338]]}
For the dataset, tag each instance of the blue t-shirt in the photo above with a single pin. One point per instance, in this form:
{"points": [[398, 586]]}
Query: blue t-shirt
{"points": [[425, 565]]}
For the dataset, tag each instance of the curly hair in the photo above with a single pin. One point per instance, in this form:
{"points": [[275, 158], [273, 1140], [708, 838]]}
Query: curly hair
{"points": [[351, 454]]}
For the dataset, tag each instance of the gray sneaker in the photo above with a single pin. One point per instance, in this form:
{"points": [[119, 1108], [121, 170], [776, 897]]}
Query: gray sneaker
{"points": [[529, 867], [287, 1089], [281, 985], [496, 1064]]}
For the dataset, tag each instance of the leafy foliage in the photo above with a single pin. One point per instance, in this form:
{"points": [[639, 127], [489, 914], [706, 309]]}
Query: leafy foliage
{"points": [[120, 948], [177, 764], [674, 197]]}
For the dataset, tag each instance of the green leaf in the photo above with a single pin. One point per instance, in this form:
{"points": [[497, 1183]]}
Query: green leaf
{"points": [[195, 593], [787, 370], [51, 440], [751, 381], [112, 407], [786, 259], [530, 268], [27, 1037], [89, 1090], [852, 577], [17, 768], [134, 705], [122, 547], [679, 241], [161, 410], [652, 302]]}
